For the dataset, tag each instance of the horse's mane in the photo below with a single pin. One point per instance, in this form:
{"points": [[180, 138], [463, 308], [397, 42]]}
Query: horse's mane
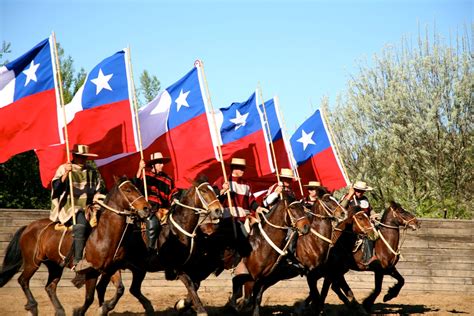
{"points": [[200, 179], [114, 189], [392, 204]]}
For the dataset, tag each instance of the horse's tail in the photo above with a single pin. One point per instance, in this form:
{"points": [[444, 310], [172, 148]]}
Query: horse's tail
{"points": [[13, 259]]}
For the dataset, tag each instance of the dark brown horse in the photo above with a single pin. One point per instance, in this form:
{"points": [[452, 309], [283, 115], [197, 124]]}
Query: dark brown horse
{"points": [[184, 251], [329, 222], [270, 240], [387, 250], [39, 243]]}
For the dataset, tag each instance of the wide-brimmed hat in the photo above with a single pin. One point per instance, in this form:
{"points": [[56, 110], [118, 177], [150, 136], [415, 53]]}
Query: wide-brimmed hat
{"points": [[312, 184], [82, 150], [238, 162], [362, 186], [287, 173], [157, 158]]}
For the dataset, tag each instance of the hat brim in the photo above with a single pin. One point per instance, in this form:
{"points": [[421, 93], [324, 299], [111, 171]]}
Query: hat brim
{"points": [[85, 155], [310, 186], [159, 160], [363, 189]]}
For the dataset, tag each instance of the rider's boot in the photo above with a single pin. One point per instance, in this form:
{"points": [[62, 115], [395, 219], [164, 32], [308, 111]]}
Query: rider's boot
{"points": [[79, 234]]}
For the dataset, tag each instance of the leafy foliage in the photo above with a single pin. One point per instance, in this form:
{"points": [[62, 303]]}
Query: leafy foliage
{"points": [[150, 86], [405, 125]]}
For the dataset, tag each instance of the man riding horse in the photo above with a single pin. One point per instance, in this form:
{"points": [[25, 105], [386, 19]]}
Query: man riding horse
{"points": [[160, 187], [355, 197], [87, 186]]}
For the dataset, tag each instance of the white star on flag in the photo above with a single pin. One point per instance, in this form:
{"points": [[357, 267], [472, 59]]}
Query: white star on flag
{"points": [[306, 139], [239, 120], [102, 82], [31, 72], [181, 100]]}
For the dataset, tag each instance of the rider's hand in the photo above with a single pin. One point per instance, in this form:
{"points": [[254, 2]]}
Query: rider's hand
{"points": [[279, 189], [141, 164], [68, 167], [225, 188]]}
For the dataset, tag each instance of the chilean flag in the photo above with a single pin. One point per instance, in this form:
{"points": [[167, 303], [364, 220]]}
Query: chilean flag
{"points": [[282, 150], [28, 102], [315, 155], [176, 124], [242, 135], [100, 115]]}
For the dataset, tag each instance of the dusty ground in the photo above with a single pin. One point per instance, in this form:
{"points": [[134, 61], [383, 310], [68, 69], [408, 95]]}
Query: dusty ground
{"points": [[276, 302]]}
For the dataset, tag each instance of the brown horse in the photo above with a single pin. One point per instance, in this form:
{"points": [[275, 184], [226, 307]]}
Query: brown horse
{"points": [[39, 243], [387, 250], [184, 252], [312, 249], [270, 241]]}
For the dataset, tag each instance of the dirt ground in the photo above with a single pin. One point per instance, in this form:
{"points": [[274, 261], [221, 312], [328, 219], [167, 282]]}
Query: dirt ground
{"points": [[275, 302]]}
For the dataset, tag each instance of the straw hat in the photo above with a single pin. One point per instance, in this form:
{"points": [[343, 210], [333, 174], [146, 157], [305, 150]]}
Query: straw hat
{"points": [[157, 158], [287, 173], [362, 186], [238, 162], [312, 184], [82, 150]]}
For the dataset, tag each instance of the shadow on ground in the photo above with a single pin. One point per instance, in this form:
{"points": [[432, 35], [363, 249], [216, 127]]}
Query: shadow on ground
{"points": [[330, 310]]}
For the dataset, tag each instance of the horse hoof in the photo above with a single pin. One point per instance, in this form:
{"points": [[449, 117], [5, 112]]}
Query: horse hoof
{"points": [[180, 305], [103, 310]]}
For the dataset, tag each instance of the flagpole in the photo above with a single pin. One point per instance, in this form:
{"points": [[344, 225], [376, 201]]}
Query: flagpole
{"points": [[216, 131], [323, 116], [267, 129], [137, 119], [66, 136], [285, 139]]}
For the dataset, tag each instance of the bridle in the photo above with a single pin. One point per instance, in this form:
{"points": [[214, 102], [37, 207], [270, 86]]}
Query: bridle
{"points": [[203, 213], [130, 211], [293, 219], [364, 230]]}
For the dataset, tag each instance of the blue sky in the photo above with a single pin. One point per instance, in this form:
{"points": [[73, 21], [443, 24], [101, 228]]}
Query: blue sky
{"points": [[298, 50]]}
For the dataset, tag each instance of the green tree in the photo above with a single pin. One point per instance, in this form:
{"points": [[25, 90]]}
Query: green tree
{"points": [[405, 125], [149, 88]]}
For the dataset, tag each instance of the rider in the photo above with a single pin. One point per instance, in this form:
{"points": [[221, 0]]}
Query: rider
{"points": [[87, 186], [273, 193], [244, 204], [356, 197], [160, 187], [312, 196]]}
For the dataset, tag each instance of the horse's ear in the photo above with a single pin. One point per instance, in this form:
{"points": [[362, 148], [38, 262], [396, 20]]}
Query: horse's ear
{"points": [[115, 178]]}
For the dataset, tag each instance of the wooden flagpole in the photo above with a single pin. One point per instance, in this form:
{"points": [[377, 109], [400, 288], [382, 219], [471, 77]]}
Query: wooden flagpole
{"points": [[267, 130], [331, 135], [66, 136], [287, 143], [200, 66], [137, 119]]}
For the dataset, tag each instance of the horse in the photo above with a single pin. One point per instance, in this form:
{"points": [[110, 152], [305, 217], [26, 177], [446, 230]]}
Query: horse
{"points": [[387, 250], [330, 220], [40, 242], [270, 243], [183, 246]]}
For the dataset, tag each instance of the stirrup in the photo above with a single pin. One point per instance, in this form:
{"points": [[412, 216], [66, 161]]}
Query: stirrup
{"points": [[82, 266]]}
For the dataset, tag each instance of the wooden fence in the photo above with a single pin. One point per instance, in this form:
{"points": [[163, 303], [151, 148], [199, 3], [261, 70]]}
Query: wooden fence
{"points": [[437, 258]]}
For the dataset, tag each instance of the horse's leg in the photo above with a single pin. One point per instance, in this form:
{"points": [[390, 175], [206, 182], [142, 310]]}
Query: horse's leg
{"points": [[258, 290], [54, 275], [107, 306], [138, 275], [24, 281], [394, 290], [324, 293], [314, 297], [184, 304], [237, 291], [189, 284], [346, 288], [369, 301], [90, 281], [336, 287]]}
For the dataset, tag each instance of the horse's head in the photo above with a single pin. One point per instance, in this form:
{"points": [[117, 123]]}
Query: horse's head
{"points": [[402, 217], [361, 223], [297, 217], [206, 198], [328, 205], [128, 197]]}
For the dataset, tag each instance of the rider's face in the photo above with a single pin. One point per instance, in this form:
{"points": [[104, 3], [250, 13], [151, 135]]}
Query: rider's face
{"points": [[359, 193], [158, 167]]}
